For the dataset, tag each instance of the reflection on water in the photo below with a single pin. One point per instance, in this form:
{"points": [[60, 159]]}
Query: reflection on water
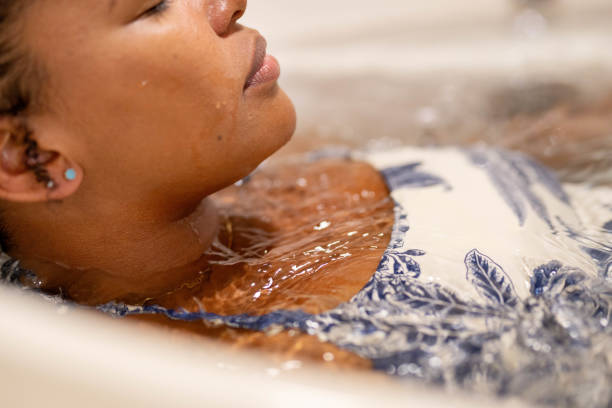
{"points": [[555, 349], [551, 346], [304, 235]]}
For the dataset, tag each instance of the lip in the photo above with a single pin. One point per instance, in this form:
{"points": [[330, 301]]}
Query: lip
{"points": [[264, 67]]}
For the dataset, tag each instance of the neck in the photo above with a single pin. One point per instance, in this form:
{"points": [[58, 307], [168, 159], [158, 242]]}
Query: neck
{"points": [[97, 259]]}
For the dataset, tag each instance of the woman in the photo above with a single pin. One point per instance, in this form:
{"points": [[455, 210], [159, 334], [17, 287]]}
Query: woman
{"points": [[121, 118], [129, 118]]}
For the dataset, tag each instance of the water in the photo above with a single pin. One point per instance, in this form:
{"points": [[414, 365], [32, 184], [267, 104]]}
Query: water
{"points": [[538, 351], [552, 349], [301, 235], [564, 124], [308, 235]]}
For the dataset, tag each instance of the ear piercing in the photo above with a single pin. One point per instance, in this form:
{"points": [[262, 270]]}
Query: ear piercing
{"points": [[70, 175], [41, 174]]}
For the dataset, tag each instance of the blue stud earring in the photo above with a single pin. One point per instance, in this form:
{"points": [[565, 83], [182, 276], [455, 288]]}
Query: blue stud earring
{"points": [[70, 174]]}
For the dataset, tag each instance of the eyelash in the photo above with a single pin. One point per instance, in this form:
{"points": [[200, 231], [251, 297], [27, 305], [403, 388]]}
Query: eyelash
{"points": [[158, 8]]}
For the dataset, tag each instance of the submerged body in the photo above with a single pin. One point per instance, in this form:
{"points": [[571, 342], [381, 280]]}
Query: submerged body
{"points": [[299, 236], [121, 120], [478, 269]]}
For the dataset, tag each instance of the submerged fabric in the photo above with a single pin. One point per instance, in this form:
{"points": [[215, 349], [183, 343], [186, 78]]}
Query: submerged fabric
{"points": [[496, 277]]}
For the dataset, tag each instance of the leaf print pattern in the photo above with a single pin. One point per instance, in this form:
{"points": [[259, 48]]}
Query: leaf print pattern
{"points": [[542, 276], [514, 176], [409, 175], [600, 252], [489, 279], [401, 264], [550, 348]]}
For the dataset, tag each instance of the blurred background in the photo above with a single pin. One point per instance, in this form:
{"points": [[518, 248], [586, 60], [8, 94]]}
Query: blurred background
{"points": [[531, 75]]}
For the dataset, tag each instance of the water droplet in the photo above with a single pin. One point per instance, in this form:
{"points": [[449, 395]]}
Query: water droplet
{"points": [[322, 225], [328, 357]]}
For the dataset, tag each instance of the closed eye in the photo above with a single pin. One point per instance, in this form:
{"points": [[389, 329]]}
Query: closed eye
{"points": [[157, 8]]}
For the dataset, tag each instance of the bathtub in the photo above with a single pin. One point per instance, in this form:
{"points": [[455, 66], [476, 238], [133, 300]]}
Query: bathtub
{"points": [[339, 58], [72, 358]]}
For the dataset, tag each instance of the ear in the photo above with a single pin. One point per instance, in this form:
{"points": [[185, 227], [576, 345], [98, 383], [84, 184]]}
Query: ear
{"points": [[31, 173]]}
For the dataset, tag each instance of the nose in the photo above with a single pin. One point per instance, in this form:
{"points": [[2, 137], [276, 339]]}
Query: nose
{"points": [[223, 14]]}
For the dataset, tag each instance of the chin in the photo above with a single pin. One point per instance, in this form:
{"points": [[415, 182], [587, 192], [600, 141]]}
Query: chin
{"points": [[284, 122], [275, 126]]}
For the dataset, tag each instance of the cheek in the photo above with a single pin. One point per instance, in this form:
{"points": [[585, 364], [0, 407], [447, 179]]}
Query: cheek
{"points": [[157, 103], [172, 118], [261, 128], [270, 123]]}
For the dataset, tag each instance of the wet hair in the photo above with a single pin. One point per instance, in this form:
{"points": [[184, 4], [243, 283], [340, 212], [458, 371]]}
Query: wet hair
{"points": [[19, 76]]}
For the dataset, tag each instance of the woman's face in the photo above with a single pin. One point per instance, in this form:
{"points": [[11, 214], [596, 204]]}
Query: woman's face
{"points": [[152, 99]]}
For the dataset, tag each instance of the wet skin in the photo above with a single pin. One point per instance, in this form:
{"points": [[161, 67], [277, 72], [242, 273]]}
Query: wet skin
{"points": [[148, 101], [295, 236], [156, 105], [272, 225]]}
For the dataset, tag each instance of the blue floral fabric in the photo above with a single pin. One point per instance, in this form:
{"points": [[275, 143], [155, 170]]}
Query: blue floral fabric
{"points": [[552, 346]]}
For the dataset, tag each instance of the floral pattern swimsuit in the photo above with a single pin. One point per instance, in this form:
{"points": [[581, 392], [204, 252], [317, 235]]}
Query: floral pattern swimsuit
{"points": [[496, 276]]}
